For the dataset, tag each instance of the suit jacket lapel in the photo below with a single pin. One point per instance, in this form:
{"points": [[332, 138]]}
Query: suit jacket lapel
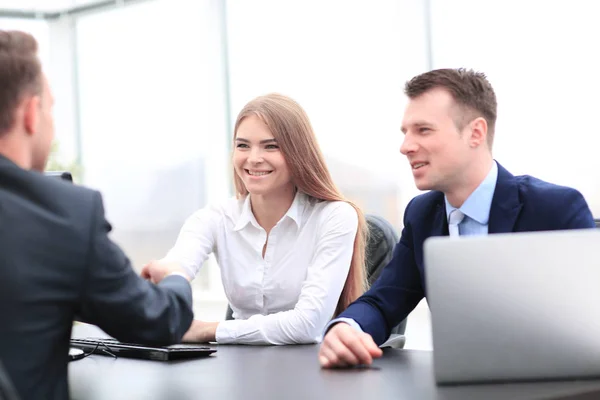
{"points": [[440, 222], [506, 204]]}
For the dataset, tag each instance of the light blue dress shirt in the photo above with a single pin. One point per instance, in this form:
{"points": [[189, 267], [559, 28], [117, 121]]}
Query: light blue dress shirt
{"points": [[477, 206], [477, 216]]}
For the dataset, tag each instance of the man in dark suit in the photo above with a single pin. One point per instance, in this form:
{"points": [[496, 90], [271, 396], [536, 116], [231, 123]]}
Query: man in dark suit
{"points": [[56, 260], [448, 131]]}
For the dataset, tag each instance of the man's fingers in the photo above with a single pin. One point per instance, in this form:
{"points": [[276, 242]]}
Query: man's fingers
{"points": [[357, 347], [324, 362], [344, 346], [344, 354], [370, 345], [334, 360], [327, 357]]}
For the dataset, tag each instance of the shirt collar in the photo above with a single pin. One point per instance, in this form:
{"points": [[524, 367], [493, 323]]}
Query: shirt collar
{"points": [[294, 212], [478, 204]]}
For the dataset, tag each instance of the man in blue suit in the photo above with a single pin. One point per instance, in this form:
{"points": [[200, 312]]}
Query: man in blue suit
{"points": [[448, 131]]}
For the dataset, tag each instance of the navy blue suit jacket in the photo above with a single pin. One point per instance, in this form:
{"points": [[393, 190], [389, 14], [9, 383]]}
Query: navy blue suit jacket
{"points": [[519, 204]]}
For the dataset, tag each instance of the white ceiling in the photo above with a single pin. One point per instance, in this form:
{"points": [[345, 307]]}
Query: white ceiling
{"points": [[44, 5]]}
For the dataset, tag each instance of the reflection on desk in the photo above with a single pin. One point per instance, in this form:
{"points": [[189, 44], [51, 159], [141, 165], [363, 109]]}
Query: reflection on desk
{"points": [[287, 372]]}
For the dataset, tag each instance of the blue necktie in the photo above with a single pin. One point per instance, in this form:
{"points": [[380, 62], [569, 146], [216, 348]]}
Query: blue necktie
{"points": [[455, 218]]}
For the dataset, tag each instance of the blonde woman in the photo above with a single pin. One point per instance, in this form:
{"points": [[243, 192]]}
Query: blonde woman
{"points": [[290, 247]]}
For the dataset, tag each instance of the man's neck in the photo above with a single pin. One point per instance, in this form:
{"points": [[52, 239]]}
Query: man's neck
{"points": [[16, 151], [470, 181]]}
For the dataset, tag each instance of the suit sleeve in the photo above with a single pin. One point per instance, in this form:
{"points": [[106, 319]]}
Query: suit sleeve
{"points": [[578, 214], [123, 304], [394, 294]]}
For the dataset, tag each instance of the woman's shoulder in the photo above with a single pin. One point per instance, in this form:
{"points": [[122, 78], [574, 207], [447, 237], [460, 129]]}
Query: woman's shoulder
{"points": [[332, 209]]}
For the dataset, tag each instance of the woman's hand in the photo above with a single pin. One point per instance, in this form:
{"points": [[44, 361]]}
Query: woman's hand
{"points": [[201, 332], [156, 270]]}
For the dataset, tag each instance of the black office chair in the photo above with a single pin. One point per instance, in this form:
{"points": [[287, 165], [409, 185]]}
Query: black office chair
{"points": [[380, 249], [228, 313], [7, 390], [597, 222], [380, 246]]}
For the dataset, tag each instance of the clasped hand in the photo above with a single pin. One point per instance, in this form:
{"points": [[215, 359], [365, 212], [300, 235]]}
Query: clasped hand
{"points": [[344, 346]]}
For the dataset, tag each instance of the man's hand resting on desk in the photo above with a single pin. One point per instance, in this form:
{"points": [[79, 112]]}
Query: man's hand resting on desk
{"points": [[156, 270], [344, 346]]}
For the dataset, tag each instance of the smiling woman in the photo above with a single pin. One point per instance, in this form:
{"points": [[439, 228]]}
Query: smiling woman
{"points": [[290, 247]]}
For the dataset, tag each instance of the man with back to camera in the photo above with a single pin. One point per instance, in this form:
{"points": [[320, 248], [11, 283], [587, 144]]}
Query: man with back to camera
{"points": [[448, 131], [56, 259]]}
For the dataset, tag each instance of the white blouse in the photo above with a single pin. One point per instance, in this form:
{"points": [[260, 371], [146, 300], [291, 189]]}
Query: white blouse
{"points": [[289, 295]]}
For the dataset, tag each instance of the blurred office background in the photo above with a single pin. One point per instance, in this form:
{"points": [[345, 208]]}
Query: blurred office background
{"points": [[147, 92]]}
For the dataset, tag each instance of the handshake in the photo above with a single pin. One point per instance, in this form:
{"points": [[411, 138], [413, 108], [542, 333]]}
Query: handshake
{"points": [[156, 270]]}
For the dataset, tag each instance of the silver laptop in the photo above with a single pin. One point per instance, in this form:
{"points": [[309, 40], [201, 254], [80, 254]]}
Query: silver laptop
{"points": [[521, 306]]}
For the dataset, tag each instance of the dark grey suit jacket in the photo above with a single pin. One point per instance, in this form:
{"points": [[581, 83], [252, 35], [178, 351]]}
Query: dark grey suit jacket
{"points": [[56, 261]]}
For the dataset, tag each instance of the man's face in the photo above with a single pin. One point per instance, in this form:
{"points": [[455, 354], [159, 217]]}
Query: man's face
{"points": [[437, 151], [44, 129]]}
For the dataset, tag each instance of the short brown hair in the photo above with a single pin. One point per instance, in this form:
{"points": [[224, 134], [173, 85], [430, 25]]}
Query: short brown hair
{"points": [[20, 73], [470, 89]]}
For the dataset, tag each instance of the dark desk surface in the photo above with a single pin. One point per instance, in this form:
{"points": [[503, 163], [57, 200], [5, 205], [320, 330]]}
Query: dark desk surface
{"points": [[288, 372]]}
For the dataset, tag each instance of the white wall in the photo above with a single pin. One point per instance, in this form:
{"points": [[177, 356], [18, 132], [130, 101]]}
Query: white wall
{"points": [[153, 121], [345, 62], [540, 58], [153, 94]]}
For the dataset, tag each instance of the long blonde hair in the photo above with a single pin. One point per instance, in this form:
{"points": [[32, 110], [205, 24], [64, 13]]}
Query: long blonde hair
{"points": [[293, 132]]}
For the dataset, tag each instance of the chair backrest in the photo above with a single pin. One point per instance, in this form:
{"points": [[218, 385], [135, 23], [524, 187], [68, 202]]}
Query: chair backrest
{"points": [[380, 250], [228, 313], [380, 245], [7, 390], [597, 222]]}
